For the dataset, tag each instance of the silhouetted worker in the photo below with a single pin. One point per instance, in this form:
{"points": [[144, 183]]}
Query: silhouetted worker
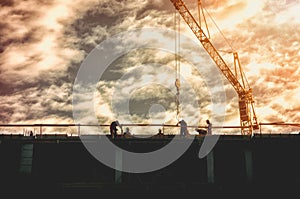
{"points": [[127, 133], [209, 126], [159, 134], [201, 131], [183, 127], [113, 128]]}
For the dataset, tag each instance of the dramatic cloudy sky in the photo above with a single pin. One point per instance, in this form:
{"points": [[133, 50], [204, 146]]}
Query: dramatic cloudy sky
{"points": [[44, 43]]}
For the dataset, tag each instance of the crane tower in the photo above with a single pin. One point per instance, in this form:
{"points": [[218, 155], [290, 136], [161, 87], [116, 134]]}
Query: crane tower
{"points": [[248, 119]]}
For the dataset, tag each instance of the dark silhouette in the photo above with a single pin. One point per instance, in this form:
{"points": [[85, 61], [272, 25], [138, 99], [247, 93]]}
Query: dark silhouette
{"points": [[209, 125], [201, 131], [113, 128], [159, 134]]}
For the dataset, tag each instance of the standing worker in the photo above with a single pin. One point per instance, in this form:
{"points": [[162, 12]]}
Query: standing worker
{"points": [[209, 126], [113, 128], [183, 127]]}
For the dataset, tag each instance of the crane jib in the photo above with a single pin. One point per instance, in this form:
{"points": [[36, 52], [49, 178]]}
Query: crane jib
{"points": [[214, 54], [246, 102]]}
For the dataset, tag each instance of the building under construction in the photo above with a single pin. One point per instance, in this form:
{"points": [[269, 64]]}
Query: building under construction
{"points": [[248, 164], [60, 164]]}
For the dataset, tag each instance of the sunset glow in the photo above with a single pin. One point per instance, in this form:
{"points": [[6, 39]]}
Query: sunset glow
{"points": [[43, 44]]}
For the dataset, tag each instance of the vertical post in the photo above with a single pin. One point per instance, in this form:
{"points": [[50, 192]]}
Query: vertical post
{"points": [[78, 128], [41, 129], [210, 168], [118, 166], [260, 128], [249, 165]]}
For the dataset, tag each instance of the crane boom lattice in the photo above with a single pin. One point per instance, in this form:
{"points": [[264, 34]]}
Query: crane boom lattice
{"points": [[248, 118]]}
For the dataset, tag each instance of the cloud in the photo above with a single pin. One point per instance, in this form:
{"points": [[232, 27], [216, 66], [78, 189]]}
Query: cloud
{"points": [[43, 43], [269, 49]]}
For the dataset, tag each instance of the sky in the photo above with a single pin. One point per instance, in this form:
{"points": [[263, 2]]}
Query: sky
{"points": [[43, 44]]}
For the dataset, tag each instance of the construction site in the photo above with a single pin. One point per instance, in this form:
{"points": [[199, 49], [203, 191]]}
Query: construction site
{"points": [[267, 164], [249, 162]]}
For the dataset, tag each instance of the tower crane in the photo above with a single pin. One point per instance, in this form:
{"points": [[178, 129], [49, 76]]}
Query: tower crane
{"points": [[248, 119]]}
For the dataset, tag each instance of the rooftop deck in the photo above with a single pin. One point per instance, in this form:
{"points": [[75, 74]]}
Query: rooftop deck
{"points": [[62, 164]]}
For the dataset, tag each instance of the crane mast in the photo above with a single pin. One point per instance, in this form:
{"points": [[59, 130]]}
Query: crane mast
{"points": [[248, 119]]}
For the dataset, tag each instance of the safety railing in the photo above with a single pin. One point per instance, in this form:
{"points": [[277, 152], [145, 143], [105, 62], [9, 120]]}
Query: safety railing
{"points": [[138, 129]]}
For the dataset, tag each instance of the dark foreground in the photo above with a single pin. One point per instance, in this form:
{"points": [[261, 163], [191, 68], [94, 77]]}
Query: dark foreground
{"points": [[60, 166]]}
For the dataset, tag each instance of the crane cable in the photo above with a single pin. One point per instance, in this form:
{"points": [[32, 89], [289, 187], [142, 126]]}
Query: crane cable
{"points": [[201, 12], [214, 22], [226, 40], [177, 62]]}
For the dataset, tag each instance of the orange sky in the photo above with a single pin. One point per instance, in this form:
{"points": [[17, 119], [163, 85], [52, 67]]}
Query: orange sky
{"points": [[44, 43]]}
